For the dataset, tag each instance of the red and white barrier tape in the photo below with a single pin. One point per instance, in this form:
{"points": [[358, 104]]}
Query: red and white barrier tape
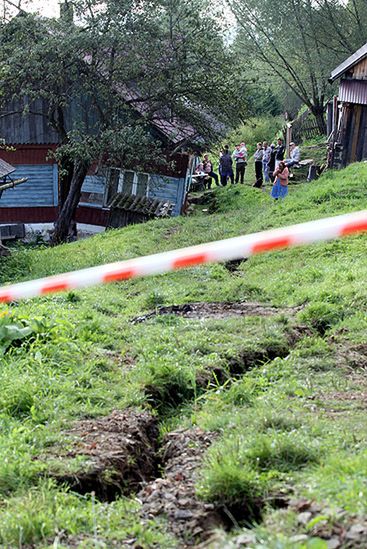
{"points": [[222, 250]]}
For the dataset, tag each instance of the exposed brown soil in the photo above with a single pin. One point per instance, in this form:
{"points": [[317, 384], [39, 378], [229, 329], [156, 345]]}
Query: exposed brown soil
{"points": [[121, 450], [352, 356], [218, 310], [174, 496], [338, 403]]}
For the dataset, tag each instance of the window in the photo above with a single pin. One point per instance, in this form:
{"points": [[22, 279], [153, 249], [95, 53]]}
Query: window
{"points": [[142, 184], [127, 182]]}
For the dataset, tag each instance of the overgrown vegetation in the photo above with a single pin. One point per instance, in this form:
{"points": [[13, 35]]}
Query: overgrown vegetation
{"points": [[284, 392]]}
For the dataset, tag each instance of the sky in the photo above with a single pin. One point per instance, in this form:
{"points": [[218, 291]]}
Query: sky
{"points": [[49, 8]]}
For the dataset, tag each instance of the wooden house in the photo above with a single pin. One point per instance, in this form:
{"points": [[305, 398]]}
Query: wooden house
{"points": [[348, 137], [31, 139]]}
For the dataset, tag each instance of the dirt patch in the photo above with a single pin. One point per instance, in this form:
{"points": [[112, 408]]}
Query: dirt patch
{"points": [[218, 310], [295, 333], [121, 450], [352, 356], [248, 359], [337, 403], [174, 496]]}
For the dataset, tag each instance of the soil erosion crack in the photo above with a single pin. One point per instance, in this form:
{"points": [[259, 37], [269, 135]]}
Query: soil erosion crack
{"points": [[220, 309]]}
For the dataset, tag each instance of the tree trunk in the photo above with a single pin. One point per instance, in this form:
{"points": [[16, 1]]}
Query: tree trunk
{"points": [[65, 221], [65, 182], [319, 114]]}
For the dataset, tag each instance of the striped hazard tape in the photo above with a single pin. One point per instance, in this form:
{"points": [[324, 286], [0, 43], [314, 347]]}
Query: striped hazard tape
{"points": [[222, 250]]}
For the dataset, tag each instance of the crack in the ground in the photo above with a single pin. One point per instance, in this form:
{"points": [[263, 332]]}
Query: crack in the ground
{"points": [[121, 450], [174, 496], [218, 310]]}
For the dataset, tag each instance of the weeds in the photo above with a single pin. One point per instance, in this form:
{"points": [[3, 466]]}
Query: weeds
{"points": [[281, 453], [287, 414]]}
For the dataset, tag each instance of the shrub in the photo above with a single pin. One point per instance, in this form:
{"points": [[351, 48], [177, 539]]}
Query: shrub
{"points": [[265, 128]]}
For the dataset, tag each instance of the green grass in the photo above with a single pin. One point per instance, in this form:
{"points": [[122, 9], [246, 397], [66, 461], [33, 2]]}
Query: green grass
{"points": [[288, 416]]}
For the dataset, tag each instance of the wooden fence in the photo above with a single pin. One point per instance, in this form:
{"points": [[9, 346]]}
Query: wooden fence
{"points": [[305, 127]]}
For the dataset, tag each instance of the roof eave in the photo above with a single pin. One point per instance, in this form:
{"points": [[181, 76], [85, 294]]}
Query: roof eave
{"points": [[352, 60]]}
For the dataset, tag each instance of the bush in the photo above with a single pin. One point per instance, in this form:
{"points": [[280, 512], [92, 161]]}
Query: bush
{"points": [[255, 130]]}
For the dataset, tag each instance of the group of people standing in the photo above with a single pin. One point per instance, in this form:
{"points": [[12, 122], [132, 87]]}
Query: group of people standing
{"points": [[269, 165]]}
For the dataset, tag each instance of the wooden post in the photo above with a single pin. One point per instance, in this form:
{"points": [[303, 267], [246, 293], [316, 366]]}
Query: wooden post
{"points": [[288, 138], [335, 116]]}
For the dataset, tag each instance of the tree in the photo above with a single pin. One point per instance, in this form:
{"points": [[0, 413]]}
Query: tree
{"points": [[124, 65], [300, 42]]}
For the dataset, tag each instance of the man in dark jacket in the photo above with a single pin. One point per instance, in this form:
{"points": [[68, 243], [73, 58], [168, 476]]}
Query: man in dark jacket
{"points": [[225, 167], [280, 150]]}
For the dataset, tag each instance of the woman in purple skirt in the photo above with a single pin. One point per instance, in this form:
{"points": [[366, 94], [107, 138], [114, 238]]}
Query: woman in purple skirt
{"points": [[280, 186]]}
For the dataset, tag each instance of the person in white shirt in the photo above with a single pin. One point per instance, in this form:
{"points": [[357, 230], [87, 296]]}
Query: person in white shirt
{"points": [[266, 160], [240, 157], [295, 155]]}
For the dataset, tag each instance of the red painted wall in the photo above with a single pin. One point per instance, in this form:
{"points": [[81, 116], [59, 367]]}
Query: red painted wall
{"points": [[92, 216], [28, 215], [28, 154]]}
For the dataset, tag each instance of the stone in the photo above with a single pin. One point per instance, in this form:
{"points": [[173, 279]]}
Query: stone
{"points": [[245, 539], [305, 517], [183, 514], [333, 543], [298, 538]]}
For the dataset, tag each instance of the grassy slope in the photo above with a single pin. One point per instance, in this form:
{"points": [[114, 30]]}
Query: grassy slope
{"points": [[283, 424]]}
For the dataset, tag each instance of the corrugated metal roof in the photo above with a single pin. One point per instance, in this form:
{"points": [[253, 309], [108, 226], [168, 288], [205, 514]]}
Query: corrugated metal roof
{"points": [[349, 63], [142, 204], [353, 91], [5, 169]]}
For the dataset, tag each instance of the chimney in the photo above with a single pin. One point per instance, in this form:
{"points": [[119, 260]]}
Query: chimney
{"points": [[67, 12]]}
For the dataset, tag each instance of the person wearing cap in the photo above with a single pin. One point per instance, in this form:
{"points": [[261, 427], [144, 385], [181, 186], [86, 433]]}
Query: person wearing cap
{"points": [[295, 155]]}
